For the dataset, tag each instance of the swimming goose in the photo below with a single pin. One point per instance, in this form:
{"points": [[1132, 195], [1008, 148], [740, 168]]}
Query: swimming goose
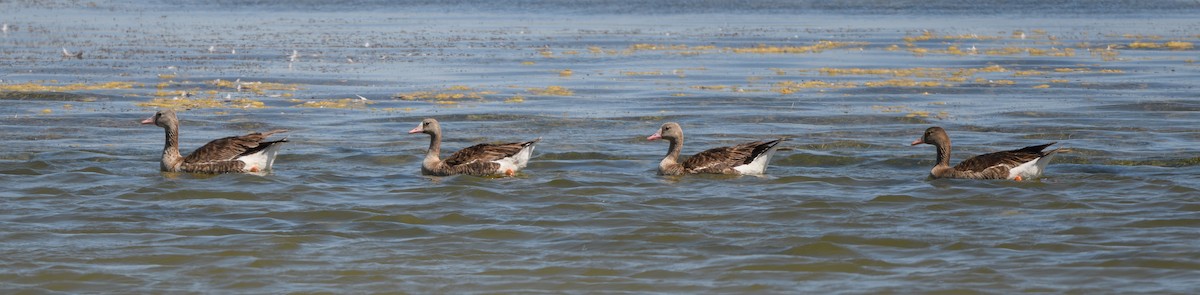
{"points": [[480, 160], [749, 158], [234, 154], [1020, 164]]}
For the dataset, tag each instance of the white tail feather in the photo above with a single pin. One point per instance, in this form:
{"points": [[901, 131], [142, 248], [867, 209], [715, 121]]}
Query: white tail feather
{"points": [[516, 162], [262, 160], [759, 165]]}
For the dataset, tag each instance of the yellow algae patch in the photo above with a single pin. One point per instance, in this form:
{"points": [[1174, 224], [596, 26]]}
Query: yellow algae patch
{"points": [[259, 88], [789, 87], [456, 92], [565, 73], [33, 87], [815, 48], [778, 71], [515, 99], [1028, 73], [711, 87], [903, 83], [929, 35], [166, 76], [661, 47], [679, 94], [595, 50], [246, 103], [1004, 51], [528, 63], [1042, 86], [648, 73], [908, 72], [1179, 45], [47, 111], [345, 103], [1065, 52], [890, 109], [1071, 70], [1059, 81], [1111, 71], [183, 103], [1144, 45], [570, 52], [1002, 82], [393, 110], [551, 90]]}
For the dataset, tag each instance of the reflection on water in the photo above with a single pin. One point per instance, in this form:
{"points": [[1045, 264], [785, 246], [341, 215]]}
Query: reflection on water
{"points": [[84, 208]]}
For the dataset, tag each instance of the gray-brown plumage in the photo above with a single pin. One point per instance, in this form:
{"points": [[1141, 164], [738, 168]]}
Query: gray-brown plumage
{"points": [[234, 154], [1025, 163], [479, 160], [749, 158]]}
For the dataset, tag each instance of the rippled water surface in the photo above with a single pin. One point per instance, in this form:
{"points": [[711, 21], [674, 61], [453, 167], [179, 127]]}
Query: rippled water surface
{"points": [[844, 207]]}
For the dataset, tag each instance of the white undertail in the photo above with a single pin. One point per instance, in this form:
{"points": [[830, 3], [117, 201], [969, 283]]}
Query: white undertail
{"points": [[515, 162], [759, 165]]}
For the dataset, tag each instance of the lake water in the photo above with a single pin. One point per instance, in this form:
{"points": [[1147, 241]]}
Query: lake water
{"points": [[845, 207]]}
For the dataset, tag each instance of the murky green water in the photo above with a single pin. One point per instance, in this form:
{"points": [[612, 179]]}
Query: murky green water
{"points": [[845, 207]]}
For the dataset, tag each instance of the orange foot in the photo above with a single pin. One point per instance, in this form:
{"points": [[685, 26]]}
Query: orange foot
{"points": [[509, 172], [1018, 178], [254, 169]]}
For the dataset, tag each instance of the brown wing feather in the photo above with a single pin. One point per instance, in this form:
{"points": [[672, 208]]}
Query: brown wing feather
{"points": [[1011, 158], [229, 148], [213, 167], [486, 152], [717, 160]]}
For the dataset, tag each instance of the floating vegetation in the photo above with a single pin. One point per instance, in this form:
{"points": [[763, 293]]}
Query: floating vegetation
{"points": [[565, 73], [678, 48], [515, 99], [1028, 73], [711, 87], [1043, 86], [649, 73], [35, 87], [345, 103], [452, 93], [789, 87], [903, 83], [910, 113], [183, 103], [815, 48], [258, 87], [928, 36], [1179, 45], [551, 91], [1144, 45]]}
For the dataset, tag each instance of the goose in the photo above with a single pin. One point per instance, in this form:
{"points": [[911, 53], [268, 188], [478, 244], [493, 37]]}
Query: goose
{"points": [[749, 158], [235, 154], [1018, 165], [479, 160]]}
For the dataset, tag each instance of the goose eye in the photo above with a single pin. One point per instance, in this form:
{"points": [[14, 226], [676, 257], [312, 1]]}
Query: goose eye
{"points": [[426, 123]]}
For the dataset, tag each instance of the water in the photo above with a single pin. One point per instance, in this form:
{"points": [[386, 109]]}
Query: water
{"points": [[845, 207]]}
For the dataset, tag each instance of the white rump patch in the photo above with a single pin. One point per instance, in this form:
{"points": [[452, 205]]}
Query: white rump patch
{"points": [[263, 160], [516, 162], [759, 165], [1032, 169]]}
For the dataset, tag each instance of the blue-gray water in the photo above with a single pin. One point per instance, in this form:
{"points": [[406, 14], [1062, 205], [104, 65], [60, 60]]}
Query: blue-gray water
{"points": [[845, 207]]}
